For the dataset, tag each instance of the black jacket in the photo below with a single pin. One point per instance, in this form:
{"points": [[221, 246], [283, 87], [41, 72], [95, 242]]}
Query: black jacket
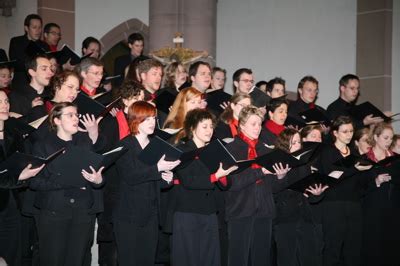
{"points": [[250, 191], [139, 187]]}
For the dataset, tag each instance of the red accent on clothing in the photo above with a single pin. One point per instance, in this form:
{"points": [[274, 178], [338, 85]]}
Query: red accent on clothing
{"points": [[176, 182], [311, 105], [53, 48], [6, 90], [87, 91], [48, 105], [251, 152], [274, 127], [234, 124], [223, 181], [259, 181], [371, 155], [122, 125], [213, 178]]}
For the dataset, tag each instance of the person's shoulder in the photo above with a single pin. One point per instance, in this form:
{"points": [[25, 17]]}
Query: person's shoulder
{"points": [[20, 38]]}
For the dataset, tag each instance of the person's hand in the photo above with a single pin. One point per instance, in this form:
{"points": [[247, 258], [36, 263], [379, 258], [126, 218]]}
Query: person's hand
{"points": [[68, 66], [164, 165], [114, 111], [37, 101], [296, 127], [222, 172], [29, 172], [167, 176], [107, 86], [15, 115], [370, 120], [224, 105], [91, 126], [360, 167], [325, 129], [95, 176], [280, 171], [316, 190], [382, 178]]}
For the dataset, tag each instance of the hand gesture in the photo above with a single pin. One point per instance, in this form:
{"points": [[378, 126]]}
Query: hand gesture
{"points": [[382, 178], [224, 105], [95, 176], [370, 120], [91, 126], [164, 165], [222, 172], [316, 190], [167, 176], [280, 171], [360, 167], [37, 101], [29, 172]]}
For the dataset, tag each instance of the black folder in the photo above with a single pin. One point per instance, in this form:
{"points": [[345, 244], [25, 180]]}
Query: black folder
{"points": [[66, 53], [362, 110], [87, 105], [278, 156], [306, 182], [18, 161], [351, 160], [215, 153], [315, 115], [216, 98], [164, 101], [165, 134]]}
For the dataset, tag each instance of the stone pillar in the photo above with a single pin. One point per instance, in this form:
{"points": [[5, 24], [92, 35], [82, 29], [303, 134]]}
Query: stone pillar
{"points": [[61, 12], [195, 19], [374, 51]]}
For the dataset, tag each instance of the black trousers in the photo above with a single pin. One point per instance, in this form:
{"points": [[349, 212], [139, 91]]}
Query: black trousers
{"points": [[298, 244], [107, 246], [10, 233], [136, 245], [342, 228], [64, 236], [249, 241], [195, 240]]}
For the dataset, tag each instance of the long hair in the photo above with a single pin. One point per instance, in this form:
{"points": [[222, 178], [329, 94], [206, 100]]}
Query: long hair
{"points": [[227, 114], [178, 111], [284, 140], [377, 131]]}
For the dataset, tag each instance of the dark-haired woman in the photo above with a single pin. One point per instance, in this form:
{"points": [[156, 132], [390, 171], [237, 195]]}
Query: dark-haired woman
{"points": [[137, 208], [249, 203], [277, 110], [195, 239], [297, 233], [66, 214]]}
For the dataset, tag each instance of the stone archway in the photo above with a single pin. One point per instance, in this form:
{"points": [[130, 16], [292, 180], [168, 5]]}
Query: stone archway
{"points": [[114, 43]]}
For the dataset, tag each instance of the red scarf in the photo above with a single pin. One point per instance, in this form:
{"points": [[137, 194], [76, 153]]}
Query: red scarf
{"points": [[87, 91], [274, 127], [372, 157], [53, 48], [122, 125], [251, 152], [48, 105], [311, 105], [234, 124]]}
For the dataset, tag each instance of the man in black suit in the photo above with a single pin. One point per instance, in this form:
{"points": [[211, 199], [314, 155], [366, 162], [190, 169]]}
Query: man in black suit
{"points": [[18, 45], [136, 45]]}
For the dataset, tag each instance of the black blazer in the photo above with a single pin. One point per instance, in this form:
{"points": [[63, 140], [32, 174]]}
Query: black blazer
{"points": [[139, 187], [12, 143], [250, 191], [49, 194], [120, 64]]}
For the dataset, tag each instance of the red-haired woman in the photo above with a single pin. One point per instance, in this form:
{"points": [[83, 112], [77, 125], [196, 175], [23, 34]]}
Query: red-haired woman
{"points": [[137, 209]]}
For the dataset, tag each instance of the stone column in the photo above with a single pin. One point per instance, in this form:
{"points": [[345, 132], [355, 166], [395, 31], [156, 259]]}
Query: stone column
{"points": [[195, 19], [61, 12], [374, 51]]}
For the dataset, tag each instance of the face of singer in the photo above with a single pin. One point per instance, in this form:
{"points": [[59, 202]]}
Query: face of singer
{"points": [[193, 103], [277, 91], [350, 91], [5, 77], [245, 83], [68, 122], [295, 143], [384, 140], [314, 136], [344, 134], [4, 106], [279, 115], [236, 108], [252, 127], [218, 80], [68, 90], [396, 147], [362, 144], [43, 73], [309, 92], [147, 126], [151, 79], [203, 131], [202, 80]]}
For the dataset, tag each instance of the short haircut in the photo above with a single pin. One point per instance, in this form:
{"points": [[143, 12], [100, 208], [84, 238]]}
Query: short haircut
{"points": [[130, 89], [137, 113], [145, 65], [276, 80], [56, 112], [58, 80], [239, 72], [217, 69], [247, 112], [48, 27], [307, 79], [346, 78], [31, 62], [275, 103], [193, 118], [87, 41], [195, 67], [86, 63], [28, 19], [136, 36]]}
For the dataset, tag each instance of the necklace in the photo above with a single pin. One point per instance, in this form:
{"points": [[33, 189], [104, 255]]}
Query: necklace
{"points": [[346, 152]]}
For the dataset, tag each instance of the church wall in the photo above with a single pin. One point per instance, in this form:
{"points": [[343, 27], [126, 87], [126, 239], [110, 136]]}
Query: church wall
{"points": [[396, 62], [289, 39]]}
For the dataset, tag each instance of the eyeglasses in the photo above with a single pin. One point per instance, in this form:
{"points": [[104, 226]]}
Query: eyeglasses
{"points": [[97, 74], [55, 33], [247, 81], [72, 115]]}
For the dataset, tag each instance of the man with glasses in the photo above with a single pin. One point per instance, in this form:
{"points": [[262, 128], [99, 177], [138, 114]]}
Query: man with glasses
{"points": [[243, 81], [91, 71], [52, 35]]}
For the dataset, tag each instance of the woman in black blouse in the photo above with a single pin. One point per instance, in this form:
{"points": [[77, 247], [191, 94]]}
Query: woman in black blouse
{"points": [[195, 238], [136, 215]]}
